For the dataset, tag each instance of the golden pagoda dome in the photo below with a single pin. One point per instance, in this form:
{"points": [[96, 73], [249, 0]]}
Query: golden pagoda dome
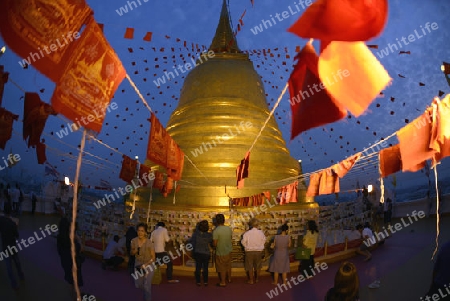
{"points": [[221, 110]]}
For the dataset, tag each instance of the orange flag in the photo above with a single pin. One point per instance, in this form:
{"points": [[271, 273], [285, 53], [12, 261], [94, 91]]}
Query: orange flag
{"points": [[329, 182], [343, 167], [390, 160], [314, 183], [157, 142], [342, 20], [365, 79], [414, 141], [43, 33], [440, 139], [311, 105], [90, 79]]}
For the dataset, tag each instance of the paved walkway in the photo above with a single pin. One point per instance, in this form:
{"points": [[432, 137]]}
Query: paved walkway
{"points": [[402, 264]]}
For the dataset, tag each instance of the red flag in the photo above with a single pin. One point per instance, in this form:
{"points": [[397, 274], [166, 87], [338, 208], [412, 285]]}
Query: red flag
{"points": [[148, 36], [243, 14], [343, 167], [129, 33], [6, 125], [242, 170], [288, 193], [176, 173], [157, 142], [353, 75], [172, 153], [90, 79], [43, 33], [281, 196], [34, 118], [342, 20], [414, 143], [128, 170], [310, 103], [40, 153], [159, 180], [390, 160], [168, 186], [144, 172], [3, 80]]}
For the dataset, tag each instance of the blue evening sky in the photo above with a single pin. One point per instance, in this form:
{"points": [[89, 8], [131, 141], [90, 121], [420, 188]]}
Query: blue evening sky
{"points": [[126, 128]]}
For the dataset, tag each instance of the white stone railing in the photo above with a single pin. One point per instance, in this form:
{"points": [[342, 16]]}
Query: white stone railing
{"points": [[45, 205], [426, 205]]}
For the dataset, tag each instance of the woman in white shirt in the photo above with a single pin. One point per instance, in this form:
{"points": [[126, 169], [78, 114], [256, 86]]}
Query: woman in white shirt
{"points": [[310, 242]]}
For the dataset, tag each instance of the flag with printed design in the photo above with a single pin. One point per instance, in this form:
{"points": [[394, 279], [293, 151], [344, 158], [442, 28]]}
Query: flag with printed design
{"points": [[43, 33], [89, 80]]}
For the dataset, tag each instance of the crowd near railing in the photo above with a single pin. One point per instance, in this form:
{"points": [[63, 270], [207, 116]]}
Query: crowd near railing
{"points": [[336, 223]]}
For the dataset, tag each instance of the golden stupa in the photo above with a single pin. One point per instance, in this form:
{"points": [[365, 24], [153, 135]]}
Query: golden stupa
{"points": [[221, 110]]}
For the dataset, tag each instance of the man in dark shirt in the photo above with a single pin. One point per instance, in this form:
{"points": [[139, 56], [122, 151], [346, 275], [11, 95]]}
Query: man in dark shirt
{"points": [[440, 285], [9, 250]]}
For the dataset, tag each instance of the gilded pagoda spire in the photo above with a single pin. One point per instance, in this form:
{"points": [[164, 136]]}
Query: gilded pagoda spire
{"points": [[224, 39]]}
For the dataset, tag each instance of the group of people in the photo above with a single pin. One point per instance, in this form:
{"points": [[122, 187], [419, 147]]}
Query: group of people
{"points": [[10, 234], [12, 197], [254, 243], [145, 250]]}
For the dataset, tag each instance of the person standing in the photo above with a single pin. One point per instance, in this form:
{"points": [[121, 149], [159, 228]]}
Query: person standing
{"points": [[2, 197], [33, 202], [253, 241], [160, 237], [9, 234], [7, 195], [201, 241], [279, 262], [222, 241], [110, 255], [14, 193], [387, 212], [19, 209], [310, 242], [131, 233], [144, 251], [63, 243]]}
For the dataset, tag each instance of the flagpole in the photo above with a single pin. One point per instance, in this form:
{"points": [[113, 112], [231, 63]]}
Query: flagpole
{"points": [[74, 216], [149, 203]]}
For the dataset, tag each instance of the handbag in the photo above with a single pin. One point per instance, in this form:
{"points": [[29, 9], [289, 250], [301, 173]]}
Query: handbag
{"points": [[302, 253], [157, 277]]}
